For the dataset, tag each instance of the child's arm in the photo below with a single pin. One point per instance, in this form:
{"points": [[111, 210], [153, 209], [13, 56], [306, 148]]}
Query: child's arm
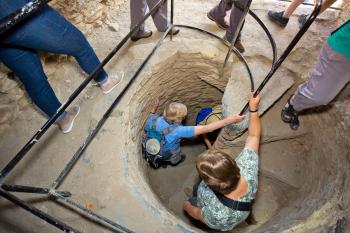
{"points": [[326, 4], [194, 212], [202, 129], [254, 128], [206, 140], [154, 108], [155, 105]]}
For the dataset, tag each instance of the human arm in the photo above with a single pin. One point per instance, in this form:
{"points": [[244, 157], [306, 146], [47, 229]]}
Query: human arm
{"points": [[154, 108], [194, 212], [202, 129], [254, 128], [206, 140], [155, 105], [326, 4]]}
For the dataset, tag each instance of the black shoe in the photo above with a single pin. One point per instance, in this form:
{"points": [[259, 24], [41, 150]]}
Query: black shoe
{"points": [[302, 20], [175, 31], [289, 115], [183, 158], [221, 23], [288, 112], [278, 18], [239, 46]]}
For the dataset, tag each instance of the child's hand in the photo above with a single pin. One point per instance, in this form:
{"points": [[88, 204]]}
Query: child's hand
{"points": [[155, 105], [237, 118], [155, 102]]}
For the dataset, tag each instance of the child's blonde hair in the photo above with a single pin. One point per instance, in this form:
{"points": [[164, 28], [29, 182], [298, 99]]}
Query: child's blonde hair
{"points": [[175, 112]]}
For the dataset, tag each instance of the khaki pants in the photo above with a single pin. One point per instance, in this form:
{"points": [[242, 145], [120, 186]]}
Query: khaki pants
{"points": [[330, 75], [138, 9]]}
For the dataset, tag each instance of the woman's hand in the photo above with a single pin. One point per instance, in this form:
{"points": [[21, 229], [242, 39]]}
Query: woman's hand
{"points": [[253, 102]]}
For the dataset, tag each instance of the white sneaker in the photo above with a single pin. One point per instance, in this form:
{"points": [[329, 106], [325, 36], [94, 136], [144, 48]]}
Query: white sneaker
{"points": [[66, 124], [111, 83]]}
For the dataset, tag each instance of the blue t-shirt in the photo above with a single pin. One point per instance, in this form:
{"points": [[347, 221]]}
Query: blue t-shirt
{"points": [[172, 140]]}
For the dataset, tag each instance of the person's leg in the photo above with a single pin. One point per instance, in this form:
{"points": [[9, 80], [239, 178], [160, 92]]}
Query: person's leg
{"points": [[51, 32], [27, 67], [138, 9], [219, 11], [330, 75], [282, 17], [235, 17], [291, 8], [160, 17]]}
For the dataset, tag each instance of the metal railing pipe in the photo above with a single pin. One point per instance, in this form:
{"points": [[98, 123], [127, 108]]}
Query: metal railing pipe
{"points": [[30, 189], [105, 116], [236, 33], [21, 14], [35, 211], [287, 51], [92, 215]]}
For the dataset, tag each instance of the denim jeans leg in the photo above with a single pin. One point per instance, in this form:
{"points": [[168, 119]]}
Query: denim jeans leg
{"points": [[51, 32], [27, 67]]}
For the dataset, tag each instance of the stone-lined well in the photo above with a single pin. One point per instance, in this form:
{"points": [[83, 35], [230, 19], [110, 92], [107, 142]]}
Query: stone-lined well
{"points": [[295, 188]]}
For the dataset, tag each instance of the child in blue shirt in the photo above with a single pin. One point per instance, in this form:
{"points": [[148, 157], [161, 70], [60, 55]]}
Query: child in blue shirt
{"points": [[173, 115]]}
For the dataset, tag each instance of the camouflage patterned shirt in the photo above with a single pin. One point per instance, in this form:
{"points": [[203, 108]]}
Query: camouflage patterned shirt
{"points": [[214, 213]]}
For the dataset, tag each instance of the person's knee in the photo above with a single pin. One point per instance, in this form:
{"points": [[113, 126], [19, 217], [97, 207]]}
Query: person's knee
{"points": [[79, 44]]}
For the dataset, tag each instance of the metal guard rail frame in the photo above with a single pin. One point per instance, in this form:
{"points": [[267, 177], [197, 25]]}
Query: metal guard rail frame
{"points": [[22, 14]]}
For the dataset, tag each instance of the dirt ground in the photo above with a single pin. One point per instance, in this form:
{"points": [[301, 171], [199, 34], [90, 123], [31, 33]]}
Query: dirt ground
{"points": [[296, 183]]}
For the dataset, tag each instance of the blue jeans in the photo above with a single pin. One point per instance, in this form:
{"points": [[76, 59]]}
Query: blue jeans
{"points": [[50, 32]]}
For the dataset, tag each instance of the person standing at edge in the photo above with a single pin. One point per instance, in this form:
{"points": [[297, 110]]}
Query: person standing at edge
{"points": [[47, 31], [330, 75]]}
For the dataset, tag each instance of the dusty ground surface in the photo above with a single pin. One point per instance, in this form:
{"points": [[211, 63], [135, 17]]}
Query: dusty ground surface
{"points": [[111, 178]]}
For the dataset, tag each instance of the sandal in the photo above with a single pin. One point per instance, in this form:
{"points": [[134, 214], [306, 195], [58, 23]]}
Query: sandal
{"points": [[288, 113], [294, 123]]}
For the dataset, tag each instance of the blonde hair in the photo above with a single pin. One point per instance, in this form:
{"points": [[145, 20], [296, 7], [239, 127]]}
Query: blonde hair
{"points": [[175, 112]]}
